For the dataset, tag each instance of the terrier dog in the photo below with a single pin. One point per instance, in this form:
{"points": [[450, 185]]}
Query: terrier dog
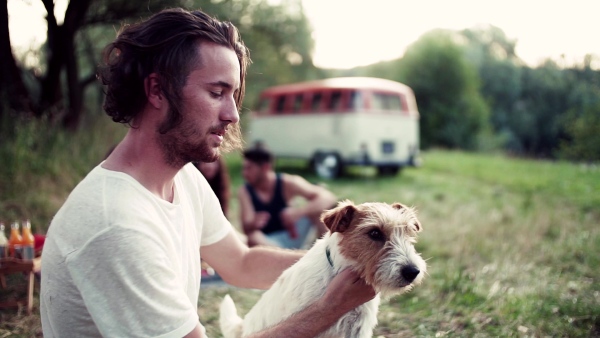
{"points": [[374, 239]]}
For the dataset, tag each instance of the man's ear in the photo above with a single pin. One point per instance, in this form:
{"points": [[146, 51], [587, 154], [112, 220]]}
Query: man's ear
{"points": [[153, 91], [339, 218], [267, 166]]}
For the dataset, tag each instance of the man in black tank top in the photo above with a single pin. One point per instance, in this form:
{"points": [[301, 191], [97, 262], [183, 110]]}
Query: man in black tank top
{"points": [[267, 216]]}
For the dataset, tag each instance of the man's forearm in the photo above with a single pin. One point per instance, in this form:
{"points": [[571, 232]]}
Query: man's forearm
{"points": [[307, 323], [318, 204], [263, 265]]}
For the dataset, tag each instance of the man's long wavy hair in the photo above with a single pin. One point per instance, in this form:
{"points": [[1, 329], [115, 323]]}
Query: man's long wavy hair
{"points": [[165, 44]]}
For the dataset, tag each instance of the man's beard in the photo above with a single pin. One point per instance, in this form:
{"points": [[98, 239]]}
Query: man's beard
{"points": [[179, 147], [179, 150]]}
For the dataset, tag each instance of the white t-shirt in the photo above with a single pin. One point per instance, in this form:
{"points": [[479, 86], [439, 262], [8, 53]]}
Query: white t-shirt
{"points": [[120, 262]]}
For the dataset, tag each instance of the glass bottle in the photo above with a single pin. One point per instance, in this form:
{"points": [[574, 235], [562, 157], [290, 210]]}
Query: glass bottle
{"points": [[28, 241], [3, 242], [15, 241]]}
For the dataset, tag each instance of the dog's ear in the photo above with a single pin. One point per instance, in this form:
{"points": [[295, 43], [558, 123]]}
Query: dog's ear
{"points": [[339, 218], [415, 222], [417, 225], [399, 206]]}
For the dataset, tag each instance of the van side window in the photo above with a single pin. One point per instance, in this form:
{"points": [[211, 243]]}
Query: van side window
{"points": [[356, 101], [384, 101], [298, 102], [335, 102], [280, 104], [315, 103], [393, 102]]}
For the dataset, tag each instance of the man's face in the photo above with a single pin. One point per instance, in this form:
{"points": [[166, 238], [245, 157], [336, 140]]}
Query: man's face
{"points": [[208, 107], [253, 172]]}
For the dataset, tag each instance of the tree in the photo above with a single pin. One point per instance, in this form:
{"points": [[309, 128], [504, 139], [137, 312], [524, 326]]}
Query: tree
{"points": [[279, 37], [537, 119], [12, 88], [583, 130], [453, 113], [500, 73], [62, 57]]}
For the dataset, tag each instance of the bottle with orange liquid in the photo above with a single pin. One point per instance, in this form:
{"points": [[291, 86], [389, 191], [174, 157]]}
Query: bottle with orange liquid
{"points": [[27, 242], [15, 241], [3, 242]]}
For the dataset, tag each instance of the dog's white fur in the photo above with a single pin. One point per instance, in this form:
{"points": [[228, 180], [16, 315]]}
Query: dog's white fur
{"points": [[351, 243]]}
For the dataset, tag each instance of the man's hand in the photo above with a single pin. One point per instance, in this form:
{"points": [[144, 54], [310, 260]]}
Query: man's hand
{"points": [[289, 217], [347, 291], [261, 218]]}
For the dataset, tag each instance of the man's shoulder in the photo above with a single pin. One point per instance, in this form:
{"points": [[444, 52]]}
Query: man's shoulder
{"points": [[293, 179]]}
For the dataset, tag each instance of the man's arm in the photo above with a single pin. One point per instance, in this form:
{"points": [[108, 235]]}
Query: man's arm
{"points": [[345, 292], [317, 199], [256, 267], [197, 332], [259, 267], [252, 221]]}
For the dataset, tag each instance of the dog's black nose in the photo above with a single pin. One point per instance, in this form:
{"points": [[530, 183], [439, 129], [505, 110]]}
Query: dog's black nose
{"points": [[409, 273]]}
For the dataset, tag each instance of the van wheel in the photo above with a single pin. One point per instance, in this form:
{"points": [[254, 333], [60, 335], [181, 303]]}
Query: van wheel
{"points": [[388, 170], [327, 165]]}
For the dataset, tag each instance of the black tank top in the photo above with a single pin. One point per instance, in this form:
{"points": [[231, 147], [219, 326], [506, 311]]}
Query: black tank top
{"points": [[273, 207]]}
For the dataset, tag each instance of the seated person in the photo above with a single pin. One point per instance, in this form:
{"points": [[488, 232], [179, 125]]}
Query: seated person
{"points": [[218, 178], [267, 216]]}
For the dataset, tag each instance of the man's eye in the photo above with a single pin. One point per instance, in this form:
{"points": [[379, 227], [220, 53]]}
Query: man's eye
{"points": [[216, 94]]}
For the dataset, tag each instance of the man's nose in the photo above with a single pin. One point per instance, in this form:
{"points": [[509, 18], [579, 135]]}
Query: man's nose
{"points": [[230, 112]]}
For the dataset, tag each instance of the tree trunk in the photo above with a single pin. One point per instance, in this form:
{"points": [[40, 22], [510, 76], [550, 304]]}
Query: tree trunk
{"points": [[73, 21], [51, 93], [61, 52], [12, 88], [73, 116]]}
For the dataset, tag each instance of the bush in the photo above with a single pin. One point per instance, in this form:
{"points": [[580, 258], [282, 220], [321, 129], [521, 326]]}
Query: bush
{"points": [[584, 133]]}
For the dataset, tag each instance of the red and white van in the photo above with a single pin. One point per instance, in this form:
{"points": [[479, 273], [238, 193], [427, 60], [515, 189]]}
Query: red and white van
{"points": [[339, 121]]}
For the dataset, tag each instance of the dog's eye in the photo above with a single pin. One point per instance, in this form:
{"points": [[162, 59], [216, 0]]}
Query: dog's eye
{"points": [[376, 235]]}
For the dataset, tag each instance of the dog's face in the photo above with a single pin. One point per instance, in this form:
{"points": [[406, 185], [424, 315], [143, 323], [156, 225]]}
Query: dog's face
{"points": [[380, 238]]}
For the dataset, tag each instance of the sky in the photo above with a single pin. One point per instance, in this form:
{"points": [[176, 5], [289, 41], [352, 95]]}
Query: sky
{"points": [[350, 33]]}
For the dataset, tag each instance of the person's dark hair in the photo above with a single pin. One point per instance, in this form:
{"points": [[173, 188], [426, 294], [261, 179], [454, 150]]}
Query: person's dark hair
{"points": [[220, 184], [164, 44], [258, 155]]}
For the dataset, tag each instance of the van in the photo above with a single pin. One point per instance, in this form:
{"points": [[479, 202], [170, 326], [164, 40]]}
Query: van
{"points": [[337, 122]]}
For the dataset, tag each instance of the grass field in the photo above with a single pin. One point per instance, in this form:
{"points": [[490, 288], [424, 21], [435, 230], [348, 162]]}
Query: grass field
{"points": [[512, 245]]}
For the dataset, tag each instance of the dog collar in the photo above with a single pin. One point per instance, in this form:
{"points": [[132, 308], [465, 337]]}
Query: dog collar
{"points": [[328, 254]]}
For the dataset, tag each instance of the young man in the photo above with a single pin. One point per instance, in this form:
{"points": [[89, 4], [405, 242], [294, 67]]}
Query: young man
{"points": [[268, 217], [122, 256]]}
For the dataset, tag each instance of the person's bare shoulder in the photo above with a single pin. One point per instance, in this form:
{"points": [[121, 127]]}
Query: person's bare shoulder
{"points": [[295, 185], [292, 181]]}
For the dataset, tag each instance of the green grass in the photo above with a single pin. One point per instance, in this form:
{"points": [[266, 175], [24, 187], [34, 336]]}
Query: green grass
{"points": [[512, 244], [40, 166]]}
